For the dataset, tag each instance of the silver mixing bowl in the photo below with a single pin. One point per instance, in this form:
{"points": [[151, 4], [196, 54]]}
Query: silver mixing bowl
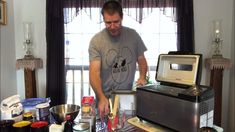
{"points": [[59, 112]]}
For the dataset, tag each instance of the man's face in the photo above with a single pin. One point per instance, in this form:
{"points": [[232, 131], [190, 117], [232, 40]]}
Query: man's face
{"points": [[113, 23]]}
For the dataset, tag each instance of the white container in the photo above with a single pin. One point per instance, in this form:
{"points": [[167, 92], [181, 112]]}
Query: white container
{"points": [[81, 127], [11, 108], [42, 111], [56, 128]]}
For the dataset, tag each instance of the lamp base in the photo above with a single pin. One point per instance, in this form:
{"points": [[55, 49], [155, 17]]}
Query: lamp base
{"points": [[217, 56], [28, 57]]}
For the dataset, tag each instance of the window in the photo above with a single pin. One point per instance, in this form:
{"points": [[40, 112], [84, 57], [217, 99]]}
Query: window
{"points": [[157, 31]]}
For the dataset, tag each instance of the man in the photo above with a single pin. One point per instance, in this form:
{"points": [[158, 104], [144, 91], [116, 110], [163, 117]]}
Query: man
{"points": [[113, 53]]}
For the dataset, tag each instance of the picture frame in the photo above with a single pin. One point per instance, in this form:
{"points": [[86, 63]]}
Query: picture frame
{"points": [[3, 13]]}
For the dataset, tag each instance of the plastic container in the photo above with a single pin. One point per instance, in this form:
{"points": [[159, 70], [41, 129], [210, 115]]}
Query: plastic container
{"points": [[29, 105], [22, 126], [56, 128], [42, 111], [39, 126]]}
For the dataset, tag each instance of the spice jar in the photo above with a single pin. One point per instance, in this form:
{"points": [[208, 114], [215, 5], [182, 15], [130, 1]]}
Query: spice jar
{"points": [[28, 116]]}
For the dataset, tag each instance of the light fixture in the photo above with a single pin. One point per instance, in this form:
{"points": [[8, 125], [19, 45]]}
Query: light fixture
{"points": [[27, 27], [217, 41]]}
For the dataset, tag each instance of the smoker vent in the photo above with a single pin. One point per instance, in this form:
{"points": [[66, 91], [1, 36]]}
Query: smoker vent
{"points": [[206, 106]]}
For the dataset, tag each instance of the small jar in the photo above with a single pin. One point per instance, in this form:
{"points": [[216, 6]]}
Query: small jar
{"points": [[86, 109], [28, 116], [88, 106]]}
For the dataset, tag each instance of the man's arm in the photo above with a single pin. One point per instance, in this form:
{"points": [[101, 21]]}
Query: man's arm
{"points": [[142, 63], [96, 83]]}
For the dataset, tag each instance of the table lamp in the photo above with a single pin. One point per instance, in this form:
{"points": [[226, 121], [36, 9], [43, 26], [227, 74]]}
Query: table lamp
{"points": [[217, 41], [27, 27]]}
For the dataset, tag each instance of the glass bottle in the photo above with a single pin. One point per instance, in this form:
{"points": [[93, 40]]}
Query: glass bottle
{"points": [[68, 126]]}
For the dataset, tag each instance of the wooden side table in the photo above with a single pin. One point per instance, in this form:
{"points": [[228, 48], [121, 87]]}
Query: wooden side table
{"points": [[29, 65], [217, 65]]}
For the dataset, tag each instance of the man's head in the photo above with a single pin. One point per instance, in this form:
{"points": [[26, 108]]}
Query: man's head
{"points": [[112, 15]]}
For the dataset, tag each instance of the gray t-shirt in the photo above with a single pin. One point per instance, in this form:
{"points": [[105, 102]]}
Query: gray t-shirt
{"points": [[118, 56]]}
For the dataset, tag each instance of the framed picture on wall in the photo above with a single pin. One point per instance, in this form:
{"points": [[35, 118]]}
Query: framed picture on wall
{"points": [[3, 13]]}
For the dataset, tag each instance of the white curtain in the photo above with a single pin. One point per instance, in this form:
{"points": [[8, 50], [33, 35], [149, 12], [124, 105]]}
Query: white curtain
{"points": [[231, 115]]}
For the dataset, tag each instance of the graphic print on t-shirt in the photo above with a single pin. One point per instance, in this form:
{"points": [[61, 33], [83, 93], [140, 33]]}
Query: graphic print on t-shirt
{"points": [[119, 61]]}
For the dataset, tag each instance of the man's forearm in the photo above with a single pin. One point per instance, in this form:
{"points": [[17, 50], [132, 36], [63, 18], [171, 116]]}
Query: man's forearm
{"points": [[143, 67], [96, 84], [95, 80]]}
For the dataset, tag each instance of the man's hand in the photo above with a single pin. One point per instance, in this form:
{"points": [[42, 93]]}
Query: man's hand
{"points": [[103, 107], [141, 82]]}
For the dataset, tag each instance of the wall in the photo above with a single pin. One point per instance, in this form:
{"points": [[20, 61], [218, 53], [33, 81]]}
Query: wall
{"points": [[31, 11], [7, 59], [231, 111], [12, 81]]}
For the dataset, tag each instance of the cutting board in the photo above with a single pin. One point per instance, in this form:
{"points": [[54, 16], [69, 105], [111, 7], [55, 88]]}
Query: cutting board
{"points": [[147, 126]]}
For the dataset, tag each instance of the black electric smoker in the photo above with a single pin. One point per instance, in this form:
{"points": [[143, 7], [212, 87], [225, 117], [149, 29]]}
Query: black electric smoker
{"points": [[177, 101]]}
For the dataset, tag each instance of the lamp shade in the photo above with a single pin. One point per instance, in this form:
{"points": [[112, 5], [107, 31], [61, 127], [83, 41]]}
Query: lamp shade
{"points": [[217, 28], [27, 26]]}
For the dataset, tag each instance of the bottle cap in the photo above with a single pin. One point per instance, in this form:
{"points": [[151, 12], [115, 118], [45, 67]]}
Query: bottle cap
{"points": [[68, 117]]}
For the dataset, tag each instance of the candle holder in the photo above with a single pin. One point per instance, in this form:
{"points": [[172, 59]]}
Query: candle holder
{"points": [[217, 41], [28, 46]]}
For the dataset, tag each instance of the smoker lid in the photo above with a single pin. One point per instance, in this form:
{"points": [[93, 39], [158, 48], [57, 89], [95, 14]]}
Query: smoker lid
{"points": [[178, 68]]}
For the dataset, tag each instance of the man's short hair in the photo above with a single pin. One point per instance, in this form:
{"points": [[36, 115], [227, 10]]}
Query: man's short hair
{"points": [[112, 7]]}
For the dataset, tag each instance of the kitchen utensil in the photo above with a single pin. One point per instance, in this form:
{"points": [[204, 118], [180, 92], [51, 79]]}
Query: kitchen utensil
{"points": [[116, 105], [59, 112], [113, 116], [147, 126], [111, 106]]}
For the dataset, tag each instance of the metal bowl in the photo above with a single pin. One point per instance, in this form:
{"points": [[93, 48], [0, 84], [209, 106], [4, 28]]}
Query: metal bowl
{"points": [[59, 112]]}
